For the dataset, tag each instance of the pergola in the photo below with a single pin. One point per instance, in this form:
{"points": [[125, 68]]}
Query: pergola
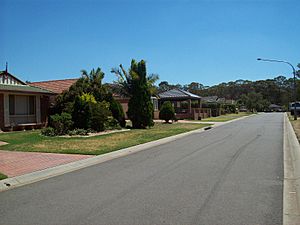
{"points": [[177, 97]]}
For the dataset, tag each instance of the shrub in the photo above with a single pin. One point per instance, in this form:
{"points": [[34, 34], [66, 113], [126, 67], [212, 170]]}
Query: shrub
{"points": [[81, 132], [99, 115], [167, 112], [78, 132], [61, 123], [230, 108], [48, 131], [112, 124], [117, 112], [82, 112]]}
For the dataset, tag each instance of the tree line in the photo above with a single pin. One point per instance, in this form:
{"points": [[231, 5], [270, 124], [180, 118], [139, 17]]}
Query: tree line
{"points": [[278, 90]]}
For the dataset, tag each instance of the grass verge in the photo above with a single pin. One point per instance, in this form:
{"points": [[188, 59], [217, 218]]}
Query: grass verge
{"points": [[32, 141], [2, 176], [226, 117], [295, 124]]}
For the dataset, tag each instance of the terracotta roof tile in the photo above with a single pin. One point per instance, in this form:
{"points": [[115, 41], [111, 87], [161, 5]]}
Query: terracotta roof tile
{"points": [[56, 86]]}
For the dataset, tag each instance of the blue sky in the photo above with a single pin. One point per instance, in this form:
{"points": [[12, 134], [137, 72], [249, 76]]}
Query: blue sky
{"points": [[182, 41]]}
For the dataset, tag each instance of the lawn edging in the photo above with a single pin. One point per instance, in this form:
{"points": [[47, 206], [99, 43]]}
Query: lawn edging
{"points": [[291, 183], [18, 181]]}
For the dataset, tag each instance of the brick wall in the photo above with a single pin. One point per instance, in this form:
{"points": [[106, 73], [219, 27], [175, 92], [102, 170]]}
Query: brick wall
{"points": [[1, 111]]}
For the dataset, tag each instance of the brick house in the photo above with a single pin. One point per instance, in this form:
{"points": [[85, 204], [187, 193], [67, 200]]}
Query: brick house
{"points": [[21, 105], [58, 86]]}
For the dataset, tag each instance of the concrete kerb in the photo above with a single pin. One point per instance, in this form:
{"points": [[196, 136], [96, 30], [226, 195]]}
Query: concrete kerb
{"points": [[18, 181], [291, 183]]}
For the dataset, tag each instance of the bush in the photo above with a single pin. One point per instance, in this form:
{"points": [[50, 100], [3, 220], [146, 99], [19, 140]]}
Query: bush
{"points": [[78, 132], [99, 115], [61, 123], [82, 112], [167, 112], [117, 112], [230, 108], [112, 124], [48, 131]]}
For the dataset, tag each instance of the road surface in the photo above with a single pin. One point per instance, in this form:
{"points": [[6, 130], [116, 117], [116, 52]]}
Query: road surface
{"points": [[232, 174]]}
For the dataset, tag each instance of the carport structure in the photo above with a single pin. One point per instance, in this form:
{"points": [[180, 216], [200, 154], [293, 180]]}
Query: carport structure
{"points": [[186, 104]]}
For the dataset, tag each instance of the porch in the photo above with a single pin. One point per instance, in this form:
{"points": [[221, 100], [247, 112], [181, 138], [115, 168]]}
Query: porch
{"points": [[186, 104]]}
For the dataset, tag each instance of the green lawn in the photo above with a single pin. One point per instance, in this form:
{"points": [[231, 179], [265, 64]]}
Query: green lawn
{"points": [[226, 117], [32, 141], [2, 176]]}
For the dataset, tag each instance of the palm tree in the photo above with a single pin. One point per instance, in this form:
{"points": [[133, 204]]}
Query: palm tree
{"points": [[125, 79], [138, 86]]}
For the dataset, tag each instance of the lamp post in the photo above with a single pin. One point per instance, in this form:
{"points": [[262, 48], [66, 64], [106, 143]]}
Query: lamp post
{"points": [[294, 72]]}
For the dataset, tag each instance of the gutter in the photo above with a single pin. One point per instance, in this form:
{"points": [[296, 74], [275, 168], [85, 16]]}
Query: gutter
{"points": [[291, 182]]}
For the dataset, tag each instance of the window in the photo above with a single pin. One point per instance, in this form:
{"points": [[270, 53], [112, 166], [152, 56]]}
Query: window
{"points": [[11, 105], [21, 105], [31, 105]]}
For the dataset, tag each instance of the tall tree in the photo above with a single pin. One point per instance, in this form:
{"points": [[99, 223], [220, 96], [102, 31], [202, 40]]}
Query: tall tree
{"points": [[137, 85]]}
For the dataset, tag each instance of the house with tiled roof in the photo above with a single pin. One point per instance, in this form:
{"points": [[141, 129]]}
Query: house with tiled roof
{"points": [[22, 105], [55, 86]]}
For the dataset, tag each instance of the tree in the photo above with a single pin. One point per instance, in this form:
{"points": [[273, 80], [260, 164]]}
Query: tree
{"points": [[165, 86], [167, 112], [71, 101], [137, 85], [254, 102]]}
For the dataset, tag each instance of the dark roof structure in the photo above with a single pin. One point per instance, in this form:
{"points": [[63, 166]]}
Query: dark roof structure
{"points": [[213, 98], [274, 106], [177, 94]]}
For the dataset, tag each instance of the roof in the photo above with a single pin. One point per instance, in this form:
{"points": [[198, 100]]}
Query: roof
{"points": [[213, 98], [177, 94], [274, 106], [17, 80], [23, 88], [55, 86], [216, 99]]}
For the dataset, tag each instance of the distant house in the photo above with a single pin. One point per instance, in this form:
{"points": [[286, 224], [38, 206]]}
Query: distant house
{"points": [[210, 99], [216, 99], [22, 105], [275, 108], [186, 104]]}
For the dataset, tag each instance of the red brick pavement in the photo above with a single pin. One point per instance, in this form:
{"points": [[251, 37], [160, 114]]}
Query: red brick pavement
{"points": [[18, 163]]}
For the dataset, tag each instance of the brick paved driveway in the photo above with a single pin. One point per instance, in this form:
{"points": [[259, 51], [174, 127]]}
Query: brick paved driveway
{"points": [[18, 163]]}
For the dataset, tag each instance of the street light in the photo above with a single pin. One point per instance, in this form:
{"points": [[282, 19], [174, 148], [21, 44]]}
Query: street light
{"points": [[294, 72]]}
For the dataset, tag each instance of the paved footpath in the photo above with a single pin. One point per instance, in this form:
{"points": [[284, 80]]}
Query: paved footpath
{"points": [[14, 163], [230, 174]]}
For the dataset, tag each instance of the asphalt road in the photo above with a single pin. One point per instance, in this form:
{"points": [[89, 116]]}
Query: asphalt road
{"points": [[232, 174]]}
